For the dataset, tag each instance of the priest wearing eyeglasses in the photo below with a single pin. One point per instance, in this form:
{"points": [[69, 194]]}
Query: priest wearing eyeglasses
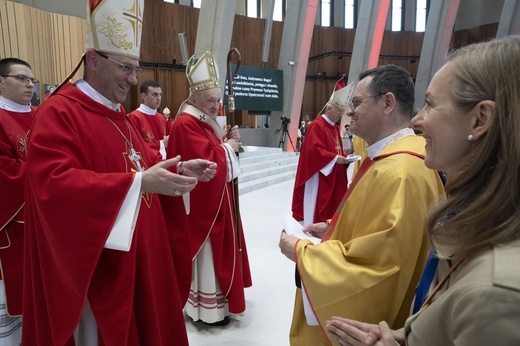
{"points": [[17, 84], [372, 254], [99, 264]]}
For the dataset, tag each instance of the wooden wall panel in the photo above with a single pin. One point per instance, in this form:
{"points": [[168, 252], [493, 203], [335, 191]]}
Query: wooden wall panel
{"points": [[179, 90], [2, 31], [162, 22], [20, 30], [53, 45], [49, 42], [11, 30], [482, 33]]}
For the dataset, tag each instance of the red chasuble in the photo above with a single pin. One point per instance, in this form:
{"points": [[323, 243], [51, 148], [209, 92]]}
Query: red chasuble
{"points": [[212, 211], [152, 128], [13, 151], [78, 174], [322, 144]]}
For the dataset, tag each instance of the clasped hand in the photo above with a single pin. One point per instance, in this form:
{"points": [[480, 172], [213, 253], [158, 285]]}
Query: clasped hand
{"points": [[159, 179], [233, 139], [350, 332]]}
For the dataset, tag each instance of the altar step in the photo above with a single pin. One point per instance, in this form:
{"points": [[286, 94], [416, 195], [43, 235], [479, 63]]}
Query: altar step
{"points": [[262, 166]]}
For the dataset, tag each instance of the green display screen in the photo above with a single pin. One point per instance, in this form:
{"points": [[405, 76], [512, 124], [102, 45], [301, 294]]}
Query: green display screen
{"points": [[256, 89]]}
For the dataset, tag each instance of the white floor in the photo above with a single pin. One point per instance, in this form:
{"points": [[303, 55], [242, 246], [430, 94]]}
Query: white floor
{"points": [[267, 318]]}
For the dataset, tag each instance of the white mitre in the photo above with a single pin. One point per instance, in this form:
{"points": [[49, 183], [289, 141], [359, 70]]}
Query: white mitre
{"points": [[202, 73], [115, 26], [342, 95]]}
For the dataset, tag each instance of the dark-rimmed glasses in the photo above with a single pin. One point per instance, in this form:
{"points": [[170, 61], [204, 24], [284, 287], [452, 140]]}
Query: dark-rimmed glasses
{"points": [[357, 101], [22, 78], [127, 69]]}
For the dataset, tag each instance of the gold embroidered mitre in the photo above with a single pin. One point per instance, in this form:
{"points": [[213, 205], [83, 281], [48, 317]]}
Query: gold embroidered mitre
{"points": [[342, 94], [202, 73], [115, 26]]}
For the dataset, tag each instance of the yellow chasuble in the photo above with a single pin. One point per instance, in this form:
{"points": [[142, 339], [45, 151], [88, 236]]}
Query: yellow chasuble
{"points": [[369, 267], [359, 146]]}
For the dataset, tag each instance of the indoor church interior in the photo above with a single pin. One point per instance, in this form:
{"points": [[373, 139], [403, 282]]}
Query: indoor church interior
{"points": [[291, 55]]}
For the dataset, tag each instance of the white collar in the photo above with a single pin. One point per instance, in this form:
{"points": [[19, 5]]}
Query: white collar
{"points": [[12, 106], [376, 148], [327, 119], [200, 115], [86, 88], [146, 110]]}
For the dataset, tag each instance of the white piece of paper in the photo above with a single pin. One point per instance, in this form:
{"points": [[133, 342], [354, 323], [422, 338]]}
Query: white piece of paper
{"points": [[293, 227], [353, 157]]}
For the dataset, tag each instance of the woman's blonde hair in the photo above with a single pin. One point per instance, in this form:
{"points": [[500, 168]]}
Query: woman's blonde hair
{"points": [[482, 204]]}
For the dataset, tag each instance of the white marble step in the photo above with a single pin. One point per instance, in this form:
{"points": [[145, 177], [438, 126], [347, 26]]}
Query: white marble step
{"points": [[268, 169], [263, 167], [267, 162], [254, 151], [264, 182], [259, 158]]}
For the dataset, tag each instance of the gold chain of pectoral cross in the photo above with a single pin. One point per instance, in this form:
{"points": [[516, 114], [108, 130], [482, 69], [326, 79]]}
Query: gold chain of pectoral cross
{"points": [[336, 142], [134, 156]]}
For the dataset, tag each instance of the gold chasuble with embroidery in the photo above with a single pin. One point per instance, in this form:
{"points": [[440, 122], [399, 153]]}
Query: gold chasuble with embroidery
{"points": [[375, 251]]}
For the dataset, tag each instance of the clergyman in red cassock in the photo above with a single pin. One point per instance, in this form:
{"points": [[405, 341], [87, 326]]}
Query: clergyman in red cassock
{"points": [[218, 248], [152, 126], [17, 85], [99, 268], [321, 176]]}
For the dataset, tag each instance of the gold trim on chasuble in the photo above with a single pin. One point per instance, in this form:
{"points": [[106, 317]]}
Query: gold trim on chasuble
{"points": [[149, 137], [21, 146], [336, 140]]}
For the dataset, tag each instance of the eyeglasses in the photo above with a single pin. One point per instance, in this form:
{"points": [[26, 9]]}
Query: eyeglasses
{"points": [[127, 69], [356, 102], [22, 78]]}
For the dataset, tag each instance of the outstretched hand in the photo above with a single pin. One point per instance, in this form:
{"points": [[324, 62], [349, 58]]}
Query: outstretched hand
{"points": [[159, 179], [203, 170]]}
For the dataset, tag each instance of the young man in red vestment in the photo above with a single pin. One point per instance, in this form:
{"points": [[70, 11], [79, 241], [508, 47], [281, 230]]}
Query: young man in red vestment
{"points": [[152, 125], [321, 176], [16, 115], [220, 262], [98, 264]]}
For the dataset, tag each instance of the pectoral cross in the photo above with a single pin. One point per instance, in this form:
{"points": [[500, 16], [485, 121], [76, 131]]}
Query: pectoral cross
{"points": [[338, 146], [135, 157]]}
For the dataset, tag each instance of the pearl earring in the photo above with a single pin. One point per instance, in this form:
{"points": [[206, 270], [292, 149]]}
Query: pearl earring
{"points": [[470, 138]]}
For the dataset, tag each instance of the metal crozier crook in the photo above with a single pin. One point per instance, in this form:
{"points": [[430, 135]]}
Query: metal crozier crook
{"points": [[231, 97]]}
